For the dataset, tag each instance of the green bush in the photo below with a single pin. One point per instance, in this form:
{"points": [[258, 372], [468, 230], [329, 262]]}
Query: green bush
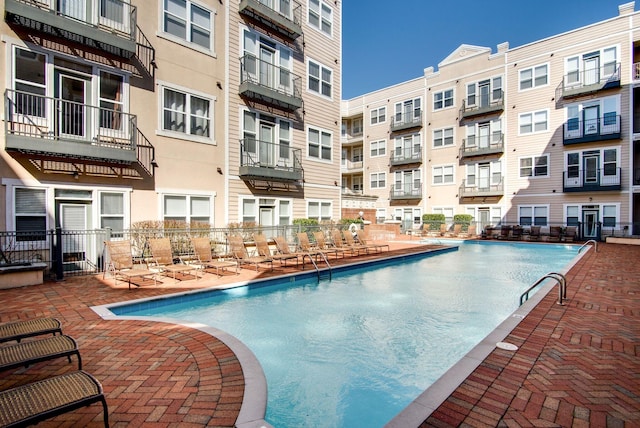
{"points": [[463, 219], [306, 224], [433, 220]]}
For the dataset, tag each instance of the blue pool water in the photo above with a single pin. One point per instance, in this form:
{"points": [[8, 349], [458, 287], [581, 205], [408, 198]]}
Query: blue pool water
{"points": [[356, 350]]}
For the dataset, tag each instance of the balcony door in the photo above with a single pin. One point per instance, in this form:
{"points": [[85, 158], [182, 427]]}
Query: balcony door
{"points": [[267, 68], [266, 146], [591, 165], [484, 177], [71, 105], [72, 9], [591, 69], [485, 93], [591, 120], [483, 136]]}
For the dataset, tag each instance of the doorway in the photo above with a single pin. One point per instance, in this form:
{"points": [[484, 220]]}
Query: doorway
{"points": [[71, 92], [590, 223]]}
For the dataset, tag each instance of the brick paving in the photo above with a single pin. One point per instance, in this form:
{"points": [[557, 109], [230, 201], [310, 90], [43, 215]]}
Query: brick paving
{"points": [[577, 365]]}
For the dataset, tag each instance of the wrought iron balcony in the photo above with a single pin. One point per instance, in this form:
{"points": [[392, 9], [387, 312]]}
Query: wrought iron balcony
{"points": [[481, 146], [282, 16], [592, 180], [269, 83], [267, 161], [402, 121], [62, 129], [405, 157], [585, 82], [481, 189], [484, 104], [109, 25], [585, 131], [406, 191]]}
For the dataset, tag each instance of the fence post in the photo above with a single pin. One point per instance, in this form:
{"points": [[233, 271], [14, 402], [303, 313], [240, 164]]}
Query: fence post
{"points": [[58, 255]]}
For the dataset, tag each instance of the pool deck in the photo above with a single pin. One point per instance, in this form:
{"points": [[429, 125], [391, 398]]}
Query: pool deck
{"points": [[576, 364]]}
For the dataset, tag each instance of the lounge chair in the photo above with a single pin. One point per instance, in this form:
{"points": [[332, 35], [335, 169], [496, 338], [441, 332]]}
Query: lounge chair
{"points": [[570, 233], [360, 246], [18, 330], [162, 258], [284, 249], [338, 242], [516, 233], [555, 233], [34, 402], [457, 228], [470, 233], [424, 229], [121, 264], [34, 351], [440, 232], [505, 231], [305, 246], [322, 245], [363, 238], [202, 251], [239, 251], [262, 246], [534, 233]]}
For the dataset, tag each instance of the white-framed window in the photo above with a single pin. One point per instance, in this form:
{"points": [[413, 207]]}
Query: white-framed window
{"points": [[111, 211], [267, 62], [534, 77], [496, 215], [358, 184], [591, 67], [572, 215], [408, 181], [186, 115], [536, 215], [534, 166], [319, 144], [321, 16], [443, 137], [408, 111], [356, 126], [30, 210], [284, 212], [319, 210], [378, 180], [407, 146], [447, 211], [483, 134], [592, 117], [378, 148], [598, 166], [483, 175], [186, 22], [267, 139], [320, 80], [192, 209], [381, 215], [442, 174], [610, 215], [443, 99], [533, 122], [484, 92], [378, 115]]}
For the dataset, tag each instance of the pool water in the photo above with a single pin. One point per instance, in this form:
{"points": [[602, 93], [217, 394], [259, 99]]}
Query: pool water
{"points": [[356, 350]]}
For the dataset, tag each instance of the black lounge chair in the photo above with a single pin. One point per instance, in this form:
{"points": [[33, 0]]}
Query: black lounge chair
{"points": [[18, 330], [35, 351], [35, 402]]}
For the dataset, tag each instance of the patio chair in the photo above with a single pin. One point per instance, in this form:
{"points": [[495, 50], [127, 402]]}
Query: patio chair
{"points": [[239, 251], [262, 246], [555, 233], [570, 233], [424, 229], [34, 351], [203, 256], [359, 245], [457, 228], [470, 233], [305, 246], [505, 231], [284, 249], [34, 402], [338, 242], [534, 233], [516, 233], [121, 265], [18, 330], [162, 258], [322, 245], [363, 238]]}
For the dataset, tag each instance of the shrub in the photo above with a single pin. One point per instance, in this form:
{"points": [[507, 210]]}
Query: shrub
{"points": [[463, 219], [433, 220]]}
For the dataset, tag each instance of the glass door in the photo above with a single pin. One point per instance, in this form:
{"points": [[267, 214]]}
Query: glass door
{"points": [[591, 117], [267, 75], [590, 223], [485, 217], [485, 91], [484, 177], [483, 136], [591, 70], [591, 164], [72, 105], [266, 145], [72, 9]]}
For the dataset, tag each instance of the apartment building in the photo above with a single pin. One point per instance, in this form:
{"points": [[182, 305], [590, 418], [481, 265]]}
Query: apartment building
{"points": [[541, 134]]}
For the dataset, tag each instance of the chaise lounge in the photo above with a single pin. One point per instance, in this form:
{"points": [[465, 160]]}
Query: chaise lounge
{"points": [[24, 354], [18, 330], [121, 264]]}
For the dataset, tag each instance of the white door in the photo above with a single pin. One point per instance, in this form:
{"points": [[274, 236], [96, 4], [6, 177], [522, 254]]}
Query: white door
{"points": [[266, 145], [73, 220], [267, 69], [591, 117], [483, 136], [72, 106], [267, 219], [72, 8], [591, 70], [484, 177], [590, 223]]}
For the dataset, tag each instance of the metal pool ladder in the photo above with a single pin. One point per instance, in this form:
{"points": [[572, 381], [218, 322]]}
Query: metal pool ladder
{"points": [[590, 241], [315, 265], [562, 287]]}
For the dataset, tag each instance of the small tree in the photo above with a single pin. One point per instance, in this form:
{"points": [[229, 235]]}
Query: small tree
{"points": [[433, 220]]}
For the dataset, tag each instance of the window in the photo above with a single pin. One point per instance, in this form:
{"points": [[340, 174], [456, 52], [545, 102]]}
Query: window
{"points": [[320, 79], [112, 211], [530, 123], [408, 111], [442, 174], [356, 126], [30, 214], [378, 148], [381, 215], [187, 21], [284, 213], [186, 113], [573, 165], [609, 215], [266, 139], [482, 93], [610, 162], [536, 215], [111, 101], [448, 213], [378, 115], [591, 67], [535, 166], [407, 147], [443, 99], [378, 180], [321, 16], [573, 215], [443, 137], [318, 210], [533, 77], [249, 211], [30, 82], [319, 144], [194, 210]]}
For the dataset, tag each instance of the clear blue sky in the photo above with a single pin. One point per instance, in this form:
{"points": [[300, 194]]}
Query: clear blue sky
{"points": [[383, 45]]}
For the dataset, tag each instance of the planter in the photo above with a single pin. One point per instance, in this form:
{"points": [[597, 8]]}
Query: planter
{"points": [[21, 274]]}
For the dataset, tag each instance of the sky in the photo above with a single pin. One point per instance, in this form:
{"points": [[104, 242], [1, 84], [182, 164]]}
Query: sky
{"points": [[384, 45]]}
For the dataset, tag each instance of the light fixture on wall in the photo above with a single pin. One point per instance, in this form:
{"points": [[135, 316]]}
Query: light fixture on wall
{"points": [[219, 170]]}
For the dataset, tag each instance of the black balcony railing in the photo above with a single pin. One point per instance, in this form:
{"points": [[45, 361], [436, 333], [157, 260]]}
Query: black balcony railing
{"points": [[406, 191], [481, 189], [268, 161], [592, 180], [406, 156], [270, 83], [481, 146], [588, 81], [281, 16], [402, 121], [584, 131]]}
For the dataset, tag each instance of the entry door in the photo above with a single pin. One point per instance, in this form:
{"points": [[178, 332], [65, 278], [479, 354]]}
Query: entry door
{"points": [[485, 92], [408, 182], [591, 165], [483, 136], [484, 177], [73, 221], [267, 215], [266, 145], [590, 223], [407, 219], [267, 75], [591, 70], [591, 117], [485, 217], [72, 116]]}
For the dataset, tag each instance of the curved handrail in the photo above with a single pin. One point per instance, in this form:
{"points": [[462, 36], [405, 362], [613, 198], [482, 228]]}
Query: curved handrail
{"points": [[590, 241], [562, 287]]}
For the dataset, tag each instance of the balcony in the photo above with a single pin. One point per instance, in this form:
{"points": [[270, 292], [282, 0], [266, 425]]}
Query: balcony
{"points": [[351, 138], [405, 157], [483, 190], [266, 161], [406, 191], [268, 83], [586, 82], [592, 180], [577, 131], [283, 17], [351, 191], [66, 130], [485, 104], [481, 146], [349, 166], [402, 121], [109, 25]]}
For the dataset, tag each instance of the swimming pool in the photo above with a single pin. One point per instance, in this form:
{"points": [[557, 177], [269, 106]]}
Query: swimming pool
{"points": [[358, 349]]}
